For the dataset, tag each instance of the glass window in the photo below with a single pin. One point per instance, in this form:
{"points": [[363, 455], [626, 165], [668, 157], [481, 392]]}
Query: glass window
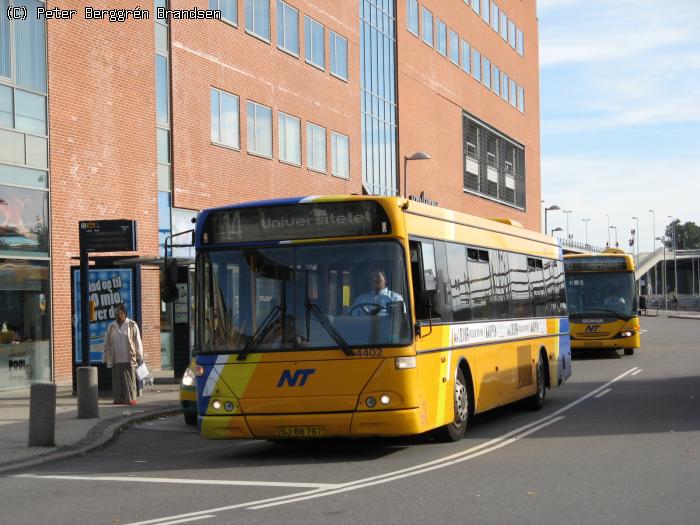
{"points": [[23, 221], [496, 77], [476, 6], [477, 62], [511, 33], [314, 38], [30, 48], [5, 65], [458, 281], [454, 48], [513, 93], [486, 71], [290, 138], [30, 112], [427, 26], [163, 219], [6, 109], [315, 147], [520, 286], [339, 55], [259, 129], [287, 27], [519, 44], [225, 118], [480, 284], [23, 176], [504, 86], [504, 26], [501, 284], [441, 37], [162, 107], [485, 10], [257, 18], [466, 53], [495, 15], [163, 145], [228, 8], [521, 99], [37, 151], [24, 322], [340, 155], [412, 16]]}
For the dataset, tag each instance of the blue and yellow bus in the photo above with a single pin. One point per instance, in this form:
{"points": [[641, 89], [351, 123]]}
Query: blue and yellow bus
{"points": [[370, 316]]}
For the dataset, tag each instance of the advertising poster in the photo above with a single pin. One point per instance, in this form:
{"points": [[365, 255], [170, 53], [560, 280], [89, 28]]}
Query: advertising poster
{"points": [[108, 287]]}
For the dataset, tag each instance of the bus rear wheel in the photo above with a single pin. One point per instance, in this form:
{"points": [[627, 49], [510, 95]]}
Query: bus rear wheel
{"points": [[455, 431], [536, 401], [629, 351]]}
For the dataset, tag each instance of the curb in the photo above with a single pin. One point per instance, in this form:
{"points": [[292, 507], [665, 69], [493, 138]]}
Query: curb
{"points": [[97, 437], [695, 317]]}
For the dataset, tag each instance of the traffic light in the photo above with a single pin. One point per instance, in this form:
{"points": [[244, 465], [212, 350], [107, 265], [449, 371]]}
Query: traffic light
{"points": [[168, 284]]}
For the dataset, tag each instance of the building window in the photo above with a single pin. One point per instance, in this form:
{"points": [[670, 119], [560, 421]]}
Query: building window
{"points": [[485, 10], [521, 99], [316, 147], [228, 8], [519, 44], [29, 49], [259, 129], [5, 53], [412, 16], [257, 18], [287, 28], [486, 71], [496, 78], [441, 37], [427, 26], [504, 86], [477, 65], [340, 155], [466, 53], [495, 15], [290, 138], [454, 48], [476, 7], [30, 112], [339, 55], [26, 217], [314, 37], [511, 33], [224, 119], [162, 106], [504, 26], [513, 93]]}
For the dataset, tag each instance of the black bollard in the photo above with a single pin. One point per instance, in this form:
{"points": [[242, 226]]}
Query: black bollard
{"points": [[88, 407], [42, 415]]}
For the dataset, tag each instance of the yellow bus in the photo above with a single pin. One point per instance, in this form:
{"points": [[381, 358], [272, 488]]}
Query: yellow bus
{"points": [[602, 300], [370, 316]]}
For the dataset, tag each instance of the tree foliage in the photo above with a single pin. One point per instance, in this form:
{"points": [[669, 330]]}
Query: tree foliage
{"points": [[687, 235]]}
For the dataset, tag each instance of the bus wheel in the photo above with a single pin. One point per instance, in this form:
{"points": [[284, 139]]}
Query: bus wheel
{"points": [[455, 430], [536, 401], [629, 351]]}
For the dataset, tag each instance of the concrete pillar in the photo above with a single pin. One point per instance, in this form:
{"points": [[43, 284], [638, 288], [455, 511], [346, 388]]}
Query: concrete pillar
{"points": [[42, 415], [88, 407]]}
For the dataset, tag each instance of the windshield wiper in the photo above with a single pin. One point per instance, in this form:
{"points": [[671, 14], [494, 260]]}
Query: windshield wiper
{"points": [[326, 323], [260, 333], [606, 310]]}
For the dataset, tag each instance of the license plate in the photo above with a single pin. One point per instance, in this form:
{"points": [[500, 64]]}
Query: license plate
{"points": [[591, 344], [299, 432]]}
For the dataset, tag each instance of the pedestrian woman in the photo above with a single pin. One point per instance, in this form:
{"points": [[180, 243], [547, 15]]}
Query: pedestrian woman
{"points": [[123, 352]]}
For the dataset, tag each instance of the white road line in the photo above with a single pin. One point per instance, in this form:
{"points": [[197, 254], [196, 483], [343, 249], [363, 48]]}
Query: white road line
{"points": [[187, 481], [606, 391], [636, 372], [195, 518]]}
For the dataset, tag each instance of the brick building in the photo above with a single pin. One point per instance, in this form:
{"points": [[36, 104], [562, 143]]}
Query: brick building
{"points": [[125, 114]]}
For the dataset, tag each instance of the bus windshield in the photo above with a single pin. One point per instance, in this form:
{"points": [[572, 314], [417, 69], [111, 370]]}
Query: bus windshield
{"points": [[601, 294], [305, 296]]}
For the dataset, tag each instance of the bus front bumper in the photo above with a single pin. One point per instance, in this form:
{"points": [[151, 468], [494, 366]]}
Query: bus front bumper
{"points": [[295, 426], [622, 342]]}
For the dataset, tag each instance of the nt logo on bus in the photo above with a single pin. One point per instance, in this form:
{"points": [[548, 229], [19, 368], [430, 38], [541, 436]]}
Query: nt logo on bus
{"points": [[299, 376]]}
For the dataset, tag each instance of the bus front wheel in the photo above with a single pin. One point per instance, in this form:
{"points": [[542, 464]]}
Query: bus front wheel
{"points": [[455, 431]]}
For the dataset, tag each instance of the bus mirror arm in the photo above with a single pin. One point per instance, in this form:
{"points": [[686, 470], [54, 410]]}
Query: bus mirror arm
{"points": [[419, 332]]}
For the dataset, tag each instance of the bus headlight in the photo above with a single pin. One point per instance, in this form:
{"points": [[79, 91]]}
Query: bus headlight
{"points": [[370, 402], [626, 334], [228, 406], [188, 378], [385, 399], [404, 363], [216, 404]]}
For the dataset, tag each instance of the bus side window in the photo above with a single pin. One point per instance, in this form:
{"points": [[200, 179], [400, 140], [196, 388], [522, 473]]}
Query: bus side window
{"points": [[425, 279]]}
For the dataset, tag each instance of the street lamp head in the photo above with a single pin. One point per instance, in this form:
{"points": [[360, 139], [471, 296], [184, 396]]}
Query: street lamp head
{"points": [[419, 155], [557, 229], [553, 207], [636, 218]]}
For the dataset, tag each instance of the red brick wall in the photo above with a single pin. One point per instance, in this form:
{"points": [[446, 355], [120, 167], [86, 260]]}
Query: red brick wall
{"points": [[208, 54], [433, 92], [103, 153]]}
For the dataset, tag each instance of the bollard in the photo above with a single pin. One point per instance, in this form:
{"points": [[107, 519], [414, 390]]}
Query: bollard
{"points": [[42, 415], [88, 407]]}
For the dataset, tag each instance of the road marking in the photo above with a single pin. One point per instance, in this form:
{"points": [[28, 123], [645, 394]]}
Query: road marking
{"points": [[636, 372], [606, 391], [494, 444], [186, 481], [195, 518]]}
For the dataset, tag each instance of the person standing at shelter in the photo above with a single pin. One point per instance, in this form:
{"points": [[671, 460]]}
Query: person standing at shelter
{"points": [[123, 352]]}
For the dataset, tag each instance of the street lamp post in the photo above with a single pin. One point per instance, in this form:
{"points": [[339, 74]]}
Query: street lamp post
{"points": [[663, 274], [607, 217], [553, 207], [567, 212], [613, 228], [675, 266], [585, 221], [418, 155], [636, 236], [653, 228]]}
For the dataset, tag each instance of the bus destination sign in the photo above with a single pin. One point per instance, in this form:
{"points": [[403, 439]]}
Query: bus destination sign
{"points": [[114, 235], [311, 220], [595, 264]]}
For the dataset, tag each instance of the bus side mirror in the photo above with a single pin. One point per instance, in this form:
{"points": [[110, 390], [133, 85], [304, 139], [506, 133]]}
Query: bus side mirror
{"points": [[168, 287]]}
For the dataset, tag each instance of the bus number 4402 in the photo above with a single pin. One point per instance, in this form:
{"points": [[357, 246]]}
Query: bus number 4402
{"points": [[297, 377]]}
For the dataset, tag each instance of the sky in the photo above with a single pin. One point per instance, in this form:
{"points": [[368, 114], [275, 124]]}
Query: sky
{"points": [[620, 115]]}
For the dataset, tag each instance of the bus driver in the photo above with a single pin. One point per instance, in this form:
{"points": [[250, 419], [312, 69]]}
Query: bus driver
{"points": [[376, 301]]}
